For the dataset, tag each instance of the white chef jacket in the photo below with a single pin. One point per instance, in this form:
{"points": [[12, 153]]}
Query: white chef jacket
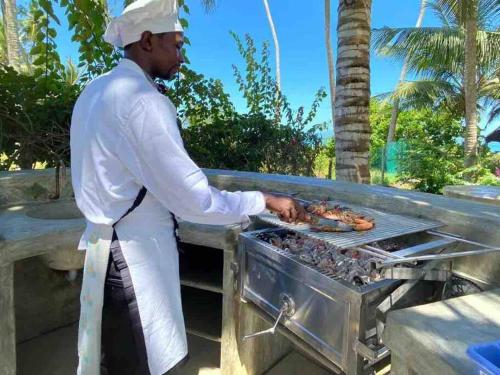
{"points": [[124, 135]]}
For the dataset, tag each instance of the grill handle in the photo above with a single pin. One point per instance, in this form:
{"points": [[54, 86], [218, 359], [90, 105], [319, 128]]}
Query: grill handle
{"points": [[287, 308]]}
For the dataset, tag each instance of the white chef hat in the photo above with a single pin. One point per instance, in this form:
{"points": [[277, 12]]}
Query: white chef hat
{"points": [[157, 16]]}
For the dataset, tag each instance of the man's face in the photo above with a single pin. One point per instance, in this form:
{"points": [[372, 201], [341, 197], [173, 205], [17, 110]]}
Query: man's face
{"points": [[167, 54]]}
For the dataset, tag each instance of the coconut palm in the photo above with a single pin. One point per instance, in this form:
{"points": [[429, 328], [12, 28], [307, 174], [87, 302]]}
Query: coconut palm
{"points": [[402, 77], [352, 92], [455, 68], [3, 45], [9, 11], [329, 54], [276, 44]]}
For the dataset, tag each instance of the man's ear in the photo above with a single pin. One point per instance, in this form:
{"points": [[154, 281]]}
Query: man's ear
{"points": [[145, 42]]}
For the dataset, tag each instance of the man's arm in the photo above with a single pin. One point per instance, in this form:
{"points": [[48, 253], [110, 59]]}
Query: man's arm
{"points": [[150, 147]]}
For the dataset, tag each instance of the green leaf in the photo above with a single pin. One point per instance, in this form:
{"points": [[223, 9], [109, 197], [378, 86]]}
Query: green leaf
{"points": [[40, 60], [184, 23], [35, 50], [40, 37], [47, 6], [85, 6]]}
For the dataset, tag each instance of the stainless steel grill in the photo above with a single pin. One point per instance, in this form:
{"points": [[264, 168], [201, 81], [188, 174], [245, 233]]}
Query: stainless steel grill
{"points": [[386, 226], [341, 321], [327, 313]]}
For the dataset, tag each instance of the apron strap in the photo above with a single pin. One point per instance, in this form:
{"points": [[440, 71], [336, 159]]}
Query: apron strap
{"points": [[138, 200]]}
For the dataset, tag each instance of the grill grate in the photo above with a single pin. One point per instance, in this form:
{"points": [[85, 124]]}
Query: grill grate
{"points": [[386, 226]]}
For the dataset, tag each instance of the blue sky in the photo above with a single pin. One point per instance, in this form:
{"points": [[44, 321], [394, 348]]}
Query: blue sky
{"points": [[300, 31]]}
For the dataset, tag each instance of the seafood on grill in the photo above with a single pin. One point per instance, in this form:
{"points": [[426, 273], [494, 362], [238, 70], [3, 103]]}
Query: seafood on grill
{"points": [[358, 221], [349, 265]]}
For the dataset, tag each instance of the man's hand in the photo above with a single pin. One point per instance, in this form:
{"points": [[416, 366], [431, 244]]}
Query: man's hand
{"points": [[288, 209]]}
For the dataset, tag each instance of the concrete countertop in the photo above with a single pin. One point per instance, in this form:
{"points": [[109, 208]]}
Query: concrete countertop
{"points": [[433, 338], [483, 194], [23, 236], [472, 220]]}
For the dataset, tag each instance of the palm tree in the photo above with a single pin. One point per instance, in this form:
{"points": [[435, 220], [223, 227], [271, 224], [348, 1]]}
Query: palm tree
{"points": [[352, 92], [468, 18], [329, 54], [9, 11], [455, 67], [3, 45], [276, 44], [402, 76]]}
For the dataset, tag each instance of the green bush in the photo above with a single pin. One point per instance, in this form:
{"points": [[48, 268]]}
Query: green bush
{"points": [[270, 138], [35, 117]]}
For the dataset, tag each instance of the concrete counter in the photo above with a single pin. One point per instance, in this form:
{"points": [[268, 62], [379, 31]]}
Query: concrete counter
{"points": [[433, 338], [22, 236], [483, 194]]}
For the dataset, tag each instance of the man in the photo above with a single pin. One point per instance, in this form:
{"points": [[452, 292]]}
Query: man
{"points": [[131, 174]]}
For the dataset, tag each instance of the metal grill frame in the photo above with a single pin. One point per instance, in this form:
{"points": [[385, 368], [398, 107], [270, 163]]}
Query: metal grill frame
{"points": [[287, 254], [387, 226], [360, 302]]}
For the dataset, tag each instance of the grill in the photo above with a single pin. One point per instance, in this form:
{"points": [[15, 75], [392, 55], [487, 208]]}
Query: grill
{"points": [[386, 226], [331, 315]]}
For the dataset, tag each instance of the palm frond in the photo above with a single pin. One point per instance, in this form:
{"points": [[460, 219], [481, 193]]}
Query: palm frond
{"points": [[494, 112], [428, 94], [209, 5], [489, 14], [422, 47], [434, 48], [489, 89], [447, 19], [459, 11]]}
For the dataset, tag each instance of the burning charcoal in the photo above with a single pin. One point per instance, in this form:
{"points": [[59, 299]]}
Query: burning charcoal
{"points": [[306, 257], [276, 241], [351, 265]]}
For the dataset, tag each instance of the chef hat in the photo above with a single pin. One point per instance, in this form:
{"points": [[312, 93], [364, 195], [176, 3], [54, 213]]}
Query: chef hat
{"points": [[157, 16]]}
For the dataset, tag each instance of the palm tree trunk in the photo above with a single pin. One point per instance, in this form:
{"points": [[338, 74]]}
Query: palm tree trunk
{"points": [[470, 86], [402, 76], [329, 53], [276, 44], [9, 12], [352, 101]]}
